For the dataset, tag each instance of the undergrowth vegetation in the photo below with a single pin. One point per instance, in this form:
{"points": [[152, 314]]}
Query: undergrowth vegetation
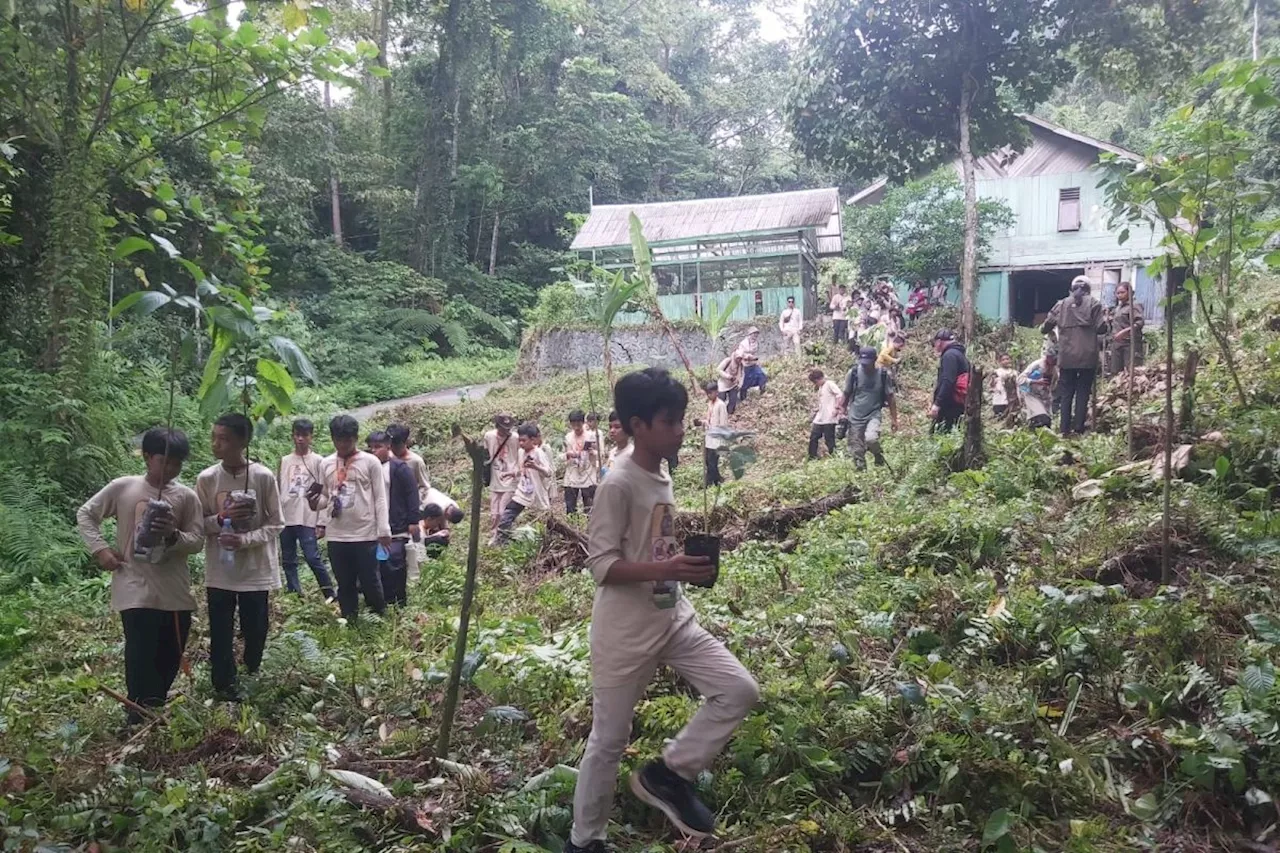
{"points": [[972, 660]]}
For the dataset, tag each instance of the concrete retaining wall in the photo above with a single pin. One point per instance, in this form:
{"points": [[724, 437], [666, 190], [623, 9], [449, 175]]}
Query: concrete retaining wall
{"points": [[573, 350]]}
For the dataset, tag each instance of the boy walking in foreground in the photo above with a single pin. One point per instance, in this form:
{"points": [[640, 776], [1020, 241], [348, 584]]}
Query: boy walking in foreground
{"points": [[828, 415], [241, 507], [150, 581], [353, 514], [641, 620], [300, 476]]}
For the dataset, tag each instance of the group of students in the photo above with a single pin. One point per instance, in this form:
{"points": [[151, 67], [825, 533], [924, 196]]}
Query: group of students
{"points": [[373, 509]]}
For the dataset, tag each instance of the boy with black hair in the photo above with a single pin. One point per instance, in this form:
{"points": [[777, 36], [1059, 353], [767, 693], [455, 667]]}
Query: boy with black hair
{"points": [[534, 489], [158, 527], [503, 447], [353, 515], [300, 476], [399, 436], [437, 515], [619, 444], [582, 464], [717, 418], [241, 506], [403, 516], [641, 620], [828, 414]]}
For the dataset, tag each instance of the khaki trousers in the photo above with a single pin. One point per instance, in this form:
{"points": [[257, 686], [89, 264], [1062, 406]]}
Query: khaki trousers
{"points": [[791, 339], [497, 506], [412, 558], [729, 692]]}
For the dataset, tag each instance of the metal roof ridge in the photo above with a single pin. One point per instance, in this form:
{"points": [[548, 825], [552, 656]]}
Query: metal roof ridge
{"points": [[813, 190]]}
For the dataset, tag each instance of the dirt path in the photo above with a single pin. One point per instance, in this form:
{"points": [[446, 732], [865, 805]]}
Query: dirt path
{"points": [[444, 397]]}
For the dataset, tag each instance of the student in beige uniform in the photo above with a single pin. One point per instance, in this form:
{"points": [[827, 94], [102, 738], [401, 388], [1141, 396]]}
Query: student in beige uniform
{"points": [[503, 448], [640, 620], [717, 418], [150, 580], [581, 464], [828, 414], [300, 476], [241, 507], [536, 474], [619, 444], [398, 435], [353, 515]]}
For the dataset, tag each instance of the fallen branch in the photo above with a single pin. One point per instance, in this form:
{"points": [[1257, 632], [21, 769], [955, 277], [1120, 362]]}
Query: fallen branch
{"points": [[152, 716], [411, 817]]}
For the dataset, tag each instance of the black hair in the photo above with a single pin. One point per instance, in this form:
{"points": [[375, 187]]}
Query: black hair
{"points": [[432, 511], [528, 430], [398, 434], [239, 425], [593, 416], [344, 426], [159, 441], [816, 375], [613, 416], [455, 514], [645, 393], [378, 437], [710, 387], [577, 416], [302, 426], [791, 299]]}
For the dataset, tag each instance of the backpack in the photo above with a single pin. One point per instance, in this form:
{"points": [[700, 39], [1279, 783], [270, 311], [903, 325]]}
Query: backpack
{"points": [[961, 391], [851, 385]]}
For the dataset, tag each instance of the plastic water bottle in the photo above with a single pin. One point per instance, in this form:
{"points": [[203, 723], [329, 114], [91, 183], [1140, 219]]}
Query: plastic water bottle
{"points": [[227, 556], [382, 554]]}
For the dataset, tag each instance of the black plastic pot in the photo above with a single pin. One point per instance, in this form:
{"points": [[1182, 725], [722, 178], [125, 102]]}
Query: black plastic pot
{"points": [[704, 545]]}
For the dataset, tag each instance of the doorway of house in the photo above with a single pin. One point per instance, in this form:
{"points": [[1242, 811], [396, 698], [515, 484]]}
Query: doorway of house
{"points": [[1036, 291]]}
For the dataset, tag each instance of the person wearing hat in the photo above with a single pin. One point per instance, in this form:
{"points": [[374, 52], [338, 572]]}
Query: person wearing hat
{"points": [[867, 390], [753, 375], [1078, 321], [1035, 385], [791, 323], [952, 385], [503, 449]]}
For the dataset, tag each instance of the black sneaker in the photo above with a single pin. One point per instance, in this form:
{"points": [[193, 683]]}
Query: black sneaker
{"points": [[662, 788], [593, 847]]}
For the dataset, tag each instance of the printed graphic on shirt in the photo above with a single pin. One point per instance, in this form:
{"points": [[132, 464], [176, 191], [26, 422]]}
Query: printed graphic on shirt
{"points": [[299, 478], [663, 547]]}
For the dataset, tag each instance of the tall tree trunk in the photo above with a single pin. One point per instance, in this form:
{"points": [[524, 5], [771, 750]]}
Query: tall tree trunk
{"points": [[384, 36], [969, 262], [974, 454], [335, 198], [1166, 546], [1256, 3], [493, 244]]}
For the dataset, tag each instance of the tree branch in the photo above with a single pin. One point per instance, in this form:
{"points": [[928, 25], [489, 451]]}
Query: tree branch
{"points": [[108, 82]]}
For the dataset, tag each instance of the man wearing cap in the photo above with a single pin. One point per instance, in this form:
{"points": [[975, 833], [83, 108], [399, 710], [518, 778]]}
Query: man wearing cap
{"points": [[790, 323], [1078, 321], [867, 390], [753, 375], [953, 381], [503, 449]]}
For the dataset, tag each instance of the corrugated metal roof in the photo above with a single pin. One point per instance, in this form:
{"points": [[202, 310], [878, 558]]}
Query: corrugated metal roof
{"points": [[609, 225]]}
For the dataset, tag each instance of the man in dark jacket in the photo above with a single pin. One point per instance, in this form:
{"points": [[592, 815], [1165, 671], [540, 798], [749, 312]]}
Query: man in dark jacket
{"points": [[953, 364], [1078, 320], [403, 515]]}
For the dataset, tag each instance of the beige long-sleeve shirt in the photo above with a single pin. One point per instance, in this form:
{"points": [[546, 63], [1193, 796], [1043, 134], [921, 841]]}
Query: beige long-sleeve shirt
{"points": [[534, 489], [505, 454], [633, 519], [353, 504], [161, 585], [255, 565], [790, 321], [717, 418], [581, 467], [297, 473]]}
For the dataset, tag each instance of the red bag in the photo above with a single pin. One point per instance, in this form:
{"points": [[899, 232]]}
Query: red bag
{"points": [[961, 391]]}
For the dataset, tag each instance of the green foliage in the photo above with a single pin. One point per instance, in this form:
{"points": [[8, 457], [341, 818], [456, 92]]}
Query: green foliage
{"points": [[916, 232]]}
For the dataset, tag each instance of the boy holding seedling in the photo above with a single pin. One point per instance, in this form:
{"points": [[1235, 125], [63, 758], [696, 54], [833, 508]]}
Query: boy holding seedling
{"points": [[582, 464], [158, 526], [534, 489], [241, 507], [641, 620], [353, 515], [300, 476]]}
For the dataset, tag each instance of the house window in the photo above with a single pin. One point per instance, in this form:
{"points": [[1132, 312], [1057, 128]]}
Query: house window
{"points": [[1069, 209]]}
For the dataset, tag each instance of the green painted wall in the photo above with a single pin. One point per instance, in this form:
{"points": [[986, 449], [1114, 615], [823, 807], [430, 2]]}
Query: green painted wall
{"points": [[680, 306], [1035, 239]]}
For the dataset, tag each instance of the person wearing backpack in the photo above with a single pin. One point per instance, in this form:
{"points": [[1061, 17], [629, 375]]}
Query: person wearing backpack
{"points": [[1078, 321], [952, 385], [867, 390]]}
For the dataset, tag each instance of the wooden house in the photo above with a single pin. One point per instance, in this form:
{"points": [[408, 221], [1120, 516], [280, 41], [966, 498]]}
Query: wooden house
{"points": [[1060, 231], [760, 248]]}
